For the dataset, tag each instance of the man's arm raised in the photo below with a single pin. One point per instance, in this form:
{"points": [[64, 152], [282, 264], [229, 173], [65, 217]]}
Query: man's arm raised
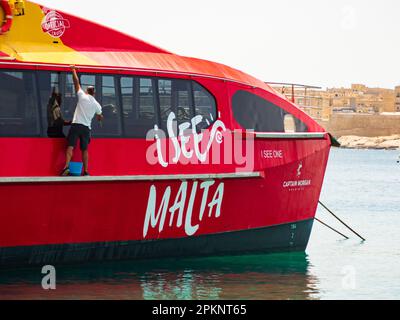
{"points": [[76, 79]]}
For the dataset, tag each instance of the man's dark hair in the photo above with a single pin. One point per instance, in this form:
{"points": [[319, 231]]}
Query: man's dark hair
{"points": [[90, 90]]}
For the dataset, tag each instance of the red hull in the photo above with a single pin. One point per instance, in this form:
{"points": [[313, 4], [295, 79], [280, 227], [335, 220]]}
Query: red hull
{"points": [[58, 213]]}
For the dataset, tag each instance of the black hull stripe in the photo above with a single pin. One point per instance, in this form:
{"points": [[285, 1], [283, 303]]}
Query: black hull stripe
{"points": [[281, 238]]}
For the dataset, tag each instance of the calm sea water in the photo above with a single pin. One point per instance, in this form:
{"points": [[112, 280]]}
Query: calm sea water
{"points": [[362, 187]]}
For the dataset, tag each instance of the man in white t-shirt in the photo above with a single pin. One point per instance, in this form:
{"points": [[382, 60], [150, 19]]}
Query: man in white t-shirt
{"points": [[86, 109]]}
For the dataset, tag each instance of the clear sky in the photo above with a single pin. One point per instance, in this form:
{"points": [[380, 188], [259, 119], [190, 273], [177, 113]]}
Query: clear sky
{"points": [[316, 42]]}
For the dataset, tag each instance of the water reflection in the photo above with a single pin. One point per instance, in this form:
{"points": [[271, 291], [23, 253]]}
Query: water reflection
{"points": [[279, 276]]}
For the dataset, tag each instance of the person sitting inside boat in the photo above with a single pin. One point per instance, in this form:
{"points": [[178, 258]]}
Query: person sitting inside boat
{"points": [[55, 118], [86, 109]]}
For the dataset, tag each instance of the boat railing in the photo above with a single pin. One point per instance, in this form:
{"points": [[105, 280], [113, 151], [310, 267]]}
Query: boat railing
{"points": [[293, 87], [300, 94]]}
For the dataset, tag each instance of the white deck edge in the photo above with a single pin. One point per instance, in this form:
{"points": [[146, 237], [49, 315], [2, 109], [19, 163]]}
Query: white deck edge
{"points": [[24, 180], [297, 135]]}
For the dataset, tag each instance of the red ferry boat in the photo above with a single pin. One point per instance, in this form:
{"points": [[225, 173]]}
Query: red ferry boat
{"points": [[194, 158]]}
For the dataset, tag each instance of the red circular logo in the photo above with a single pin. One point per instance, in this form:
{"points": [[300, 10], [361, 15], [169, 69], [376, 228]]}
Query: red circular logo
{"points": [[54, 24]]}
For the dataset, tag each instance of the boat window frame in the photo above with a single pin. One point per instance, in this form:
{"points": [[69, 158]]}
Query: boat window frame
{"points": [[40, 107], [99, 98], [300, 125], [37, 104], [189, 85], [136, 103]]}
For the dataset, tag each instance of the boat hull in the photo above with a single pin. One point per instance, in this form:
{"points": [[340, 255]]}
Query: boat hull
{"points": [[72, 220], [280, 238]]}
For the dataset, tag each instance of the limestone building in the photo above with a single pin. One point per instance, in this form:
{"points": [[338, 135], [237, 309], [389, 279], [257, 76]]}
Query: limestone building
{"points": [[321, 104]]}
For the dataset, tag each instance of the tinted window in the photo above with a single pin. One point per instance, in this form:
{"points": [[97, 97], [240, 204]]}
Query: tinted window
{"points": [[86, 81], [182, 100], [255, 113], [175, 96], [138, 103], [106, 95], [19, 111], [69, 96], [205, 106], [51, 97], [131, 105], [146, 109], [56, 111], [165, 98], [127, 85]]}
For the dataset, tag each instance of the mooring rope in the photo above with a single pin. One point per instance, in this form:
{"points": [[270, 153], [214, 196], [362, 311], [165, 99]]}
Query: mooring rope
{"points": [[341, 221], [328, 226]]}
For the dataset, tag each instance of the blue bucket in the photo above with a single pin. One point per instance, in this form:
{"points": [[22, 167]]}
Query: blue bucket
{"points": [[75, 168]]}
